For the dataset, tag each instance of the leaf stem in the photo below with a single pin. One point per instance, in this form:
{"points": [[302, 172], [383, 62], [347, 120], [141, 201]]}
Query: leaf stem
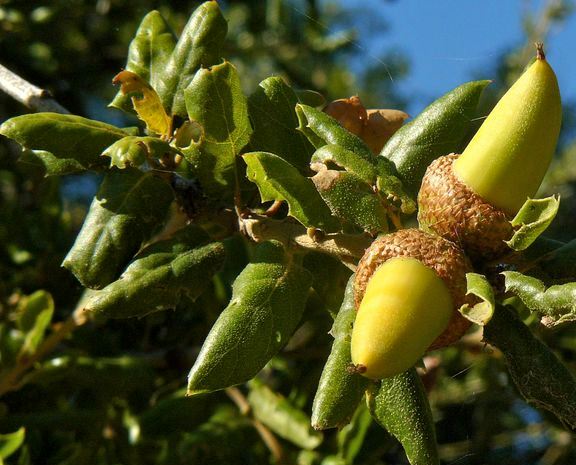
{"points": [[267, 436], [13, 379]]}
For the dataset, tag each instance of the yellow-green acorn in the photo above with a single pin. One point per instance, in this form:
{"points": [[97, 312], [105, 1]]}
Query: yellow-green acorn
{"points": [[471, 198], [408, 289]]}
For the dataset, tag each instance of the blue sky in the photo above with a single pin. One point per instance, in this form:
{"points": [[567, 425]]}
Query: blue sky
{"points": [[450, 42]]}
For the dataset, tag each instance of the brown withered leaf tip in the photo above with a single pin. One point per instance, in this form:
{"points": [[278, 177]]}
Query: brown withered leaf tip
{"points": [[442, 256], [374, 126], [380, 127], [349, 112], [452, 210]]}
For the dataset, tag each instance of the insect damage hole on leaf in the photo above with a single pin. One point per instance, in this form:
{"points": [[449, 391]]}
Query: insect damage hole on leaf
{"points": [[146, 102]]}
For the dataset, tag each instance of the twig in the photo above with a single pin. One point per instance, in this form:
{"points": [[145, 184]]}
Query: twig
{"points": [[33, 97], [346, 247], [267, 436], [12, 380]]}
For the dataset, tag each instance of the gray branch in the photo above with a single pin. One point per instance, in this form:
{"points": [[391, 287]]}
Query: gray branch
{"points": [[33, 97]]}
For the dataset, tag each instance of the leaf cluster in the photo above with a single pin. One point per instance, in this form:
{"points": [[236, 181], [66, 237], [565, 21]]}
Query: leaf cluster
{"points": [[229, 237]]}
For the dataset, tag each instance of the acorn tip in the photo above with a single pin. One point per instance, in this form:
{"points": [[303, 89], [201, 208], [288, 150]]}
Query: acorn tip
{"points": [[356, 369], [540, 51]]}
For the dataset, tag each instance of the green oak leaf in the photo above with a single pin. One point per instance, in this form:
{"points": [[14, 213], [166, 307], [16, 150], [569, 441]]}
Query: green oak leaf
{"points": [[134, 151], [321, 129], [268, 300], [160, 276], [279, 180], [127, 208], [400, 405], [275, 123], [392, 188], [438, 130], [377, 172], [351, 437], [532, 220], [352, 200], [197, 49], [339, 391], [62, 143], [33, 319], [481, 312], [283, 418], [49, 164], [332, 155], [148, 53], [215, 102], [11, 442], [557, 303], [542, 379]]}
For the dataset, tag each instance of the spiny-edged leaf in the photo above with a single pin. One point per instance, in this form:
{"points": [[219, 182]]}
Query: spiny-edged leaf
{"points": [[268, 299], [215, 101], [352, 200], [438, 130], [332, 155], [34, 316], [287, 421], [127, 208], [539, 375], [532, 220], [136, 151], [557, 303], [160, 276], [481, 312], [146, 102], [198, 47], [274, 120], [77, 142], [399, 404], [148, 52], [339, 391], [392, 188], [279, 180], [351, 437], [321, 129], [378, 172], [11, 442]]}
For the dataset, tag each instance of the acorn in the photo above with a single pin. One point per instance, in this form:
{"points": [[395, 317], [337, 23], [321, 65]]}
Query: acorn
{"points": [[471, 198], [409, 286]]}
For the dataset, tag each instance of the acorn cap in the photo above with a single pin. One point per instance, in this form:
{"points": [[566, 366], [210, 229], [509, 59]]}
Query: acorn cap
{"points": [[447, 207], [442, 256]]}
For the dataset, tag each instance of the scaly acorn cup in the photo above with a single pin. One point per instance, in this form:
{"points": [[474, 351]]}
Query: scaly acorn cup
{"points": [[408, 289], [470, 199]]}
